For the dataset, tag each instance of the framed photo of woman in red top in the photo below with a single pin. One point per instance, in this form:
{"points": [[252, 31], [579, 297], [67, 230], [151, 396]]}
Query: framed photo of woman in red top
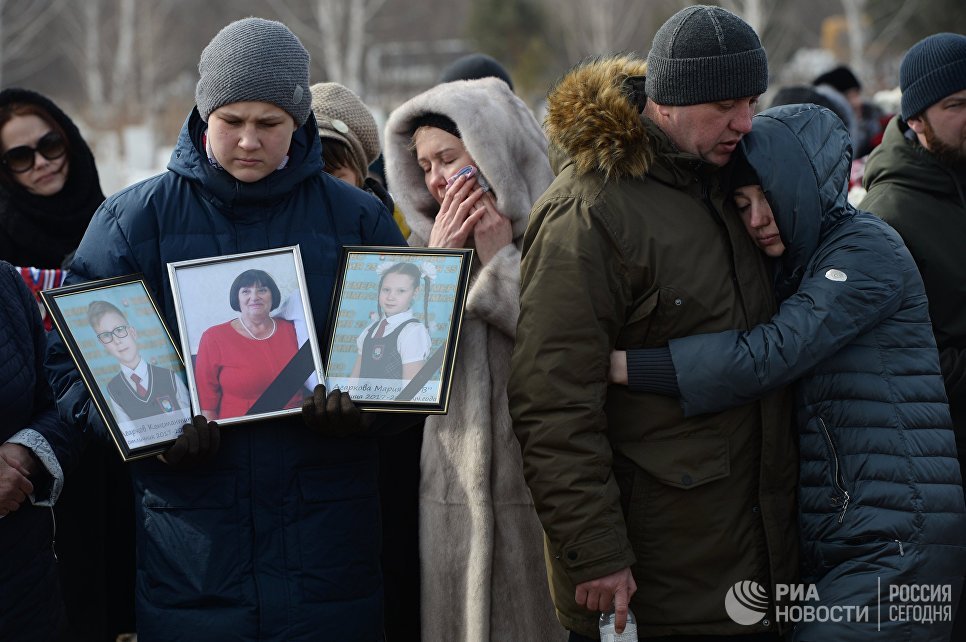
{"points": [[246, 327]]}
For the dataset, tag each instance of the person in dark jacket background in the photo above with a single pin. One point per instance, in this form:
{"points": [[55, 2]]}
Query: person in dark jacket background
{"points": [[880, 491], [49, 190], [269, 531], [36, 450], [474, 66], [916, 181]]}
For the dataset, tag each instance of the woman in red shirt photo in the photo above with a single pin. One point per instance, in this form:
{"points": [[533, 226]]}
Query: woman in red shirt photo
{"points": [[238, 359]]}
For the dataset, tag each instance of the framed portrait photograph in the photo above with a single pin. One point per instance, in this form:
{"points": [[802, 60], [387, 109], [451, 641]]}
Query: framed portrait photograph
{"points": [[127, 359], [394, 326], [247, 334]]}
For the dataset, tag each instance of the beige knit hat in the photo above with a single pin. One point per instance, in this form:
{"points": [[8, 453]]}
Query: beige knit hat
{"points": [[342, 116]]}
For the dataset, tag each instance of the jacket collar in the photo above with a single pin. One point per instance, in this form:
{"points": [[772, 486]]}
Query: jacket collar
{"points": [[238, 198], [902, 160]]}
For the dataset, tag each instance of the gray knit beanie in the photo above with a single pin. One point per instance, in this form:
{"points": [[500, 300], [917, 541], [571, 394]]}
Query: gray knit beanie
{"points": [[342, 116], [932, 69], [704, 54], [255, 60]]}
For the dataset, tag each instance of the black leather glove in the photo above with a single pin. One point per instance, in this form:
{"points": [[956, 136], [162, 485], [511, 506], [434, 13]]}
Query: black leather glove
{"points": [[334, 415], [197, 443]]}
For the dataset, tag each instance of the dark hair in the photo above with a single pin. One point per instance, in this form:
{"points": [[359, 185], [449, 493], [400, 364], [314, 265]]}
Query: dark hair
{"points": [[742, 173], [11, 110], [413, 271], [432, 120], [98, 309], [249, 278], [336, 154], [439, 121]]}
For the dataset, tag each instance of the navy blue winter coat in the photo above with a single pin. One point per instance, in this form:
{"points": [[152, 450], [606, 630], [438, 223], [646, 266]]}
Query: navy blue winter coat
{"points": [[278, 537], [880, 490], [30, 602]]}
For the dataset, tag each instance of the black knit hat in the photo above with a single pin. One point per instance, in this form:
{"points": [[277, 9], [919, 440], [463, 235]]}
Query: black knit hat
{"points": [[473, 66], [932, 69], [703, 54], [841, 79]]}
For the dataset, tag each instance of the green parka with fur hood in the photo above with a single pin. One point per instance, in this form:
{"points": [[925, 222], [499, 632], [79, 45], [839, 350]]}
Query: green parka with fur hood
{"points": [[632, 246]]}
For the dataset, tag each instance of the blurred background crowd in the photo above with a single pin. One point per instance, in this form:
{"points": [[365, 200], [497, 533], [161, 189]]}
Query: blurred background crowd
{"points": [[126, 70]]}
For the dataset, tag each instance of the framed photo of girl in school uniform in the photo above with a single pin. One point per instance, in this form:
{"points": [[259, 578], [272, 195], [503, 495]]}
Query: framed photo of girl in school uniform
{"points": [[247, 333], [394, 326]]}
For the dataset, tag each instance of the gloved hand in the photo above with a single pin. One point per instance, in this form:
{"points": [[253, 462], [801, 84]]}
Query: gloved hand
{"points": [[334, 415], [197, 443]]}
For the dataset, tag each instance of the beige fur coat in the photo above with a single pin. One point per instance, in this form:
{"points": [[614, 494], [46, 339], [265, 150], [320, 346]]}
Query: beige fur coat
{"points": [[481, 545]]}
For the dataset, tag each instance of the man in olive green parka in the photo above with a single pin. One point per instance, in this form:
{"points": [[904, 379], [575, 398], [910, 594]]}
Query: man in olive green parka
{"points": [[633, 245]]}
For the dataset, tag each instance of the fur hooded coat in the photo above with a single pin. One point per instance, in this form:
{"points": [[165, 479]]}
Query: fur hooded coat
{"points": [[481, 553]]}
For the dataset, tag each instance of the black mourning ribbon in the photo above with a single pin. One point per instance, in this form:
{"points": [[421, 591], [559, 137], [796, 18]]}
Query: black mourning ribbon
{"points": [[425, 373], [288, 382]]}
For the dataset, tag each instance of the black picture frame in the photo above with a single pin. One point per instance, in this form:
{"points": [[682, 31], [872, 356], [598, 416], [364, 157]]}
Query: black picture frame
{"points": [[380, 378], [137, 342]]}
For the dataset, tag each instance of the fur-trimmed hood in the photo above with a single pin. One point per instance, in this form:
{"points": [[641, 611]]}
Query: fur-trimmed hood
{"points": [[499, 132], [593, 117]]}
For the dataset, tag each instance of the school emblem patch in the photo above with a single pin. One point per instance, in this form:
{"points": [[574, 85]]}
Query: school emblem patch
{"points": [[377, 353], [165, 403]]}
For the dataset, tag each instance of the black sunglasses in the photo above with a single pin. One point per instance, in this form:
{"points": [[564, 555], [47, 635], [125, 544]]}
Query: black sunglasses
{"points": [[21, 159]]}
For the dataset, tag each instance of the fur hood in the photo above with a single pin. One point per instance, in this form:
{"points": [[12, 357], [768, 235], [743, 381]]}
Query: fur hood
{"points": [[499, 132], [593, 117]]}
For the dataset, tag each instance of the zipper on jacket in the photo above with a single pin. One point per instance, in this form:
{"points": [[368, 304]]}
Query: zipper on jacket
{"points": [[836, 472], [901, 552], [53, 534]]}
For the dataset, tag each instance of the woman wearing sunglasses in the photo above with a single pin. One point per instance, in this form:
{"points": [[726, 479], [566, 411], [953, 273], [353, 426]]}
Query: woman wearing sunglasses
{"points": [[49, 186], [49, 190]]}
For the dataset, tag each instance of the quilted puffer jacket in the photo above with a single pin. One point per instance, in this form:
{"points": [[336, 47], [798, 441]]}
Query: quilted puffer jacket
{"points": [[880, 491], [277, 538]]}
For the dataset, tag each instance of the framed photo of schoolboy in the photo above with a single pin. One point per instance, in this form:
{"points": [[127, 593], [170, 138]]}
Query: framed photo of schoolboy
{"points": [[247, 332], [127, 359], [394, 326]]}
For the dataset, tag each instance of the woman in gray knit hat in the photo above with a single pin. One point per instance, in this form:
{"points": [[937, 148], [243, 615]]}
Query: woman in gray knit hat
{"points": [[350, 141], [270, 530]]}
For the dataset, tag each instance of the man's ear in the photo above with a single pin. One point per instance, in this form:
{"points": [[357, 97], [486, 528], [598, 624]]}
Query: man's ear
{"points": [[917, 124], [133, 332]]}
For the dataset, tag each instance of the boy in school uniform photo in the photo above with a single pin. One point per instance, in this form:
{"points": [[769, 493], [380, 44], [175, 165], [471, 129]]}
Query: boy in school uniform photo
{"points": [[140, 389]]}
